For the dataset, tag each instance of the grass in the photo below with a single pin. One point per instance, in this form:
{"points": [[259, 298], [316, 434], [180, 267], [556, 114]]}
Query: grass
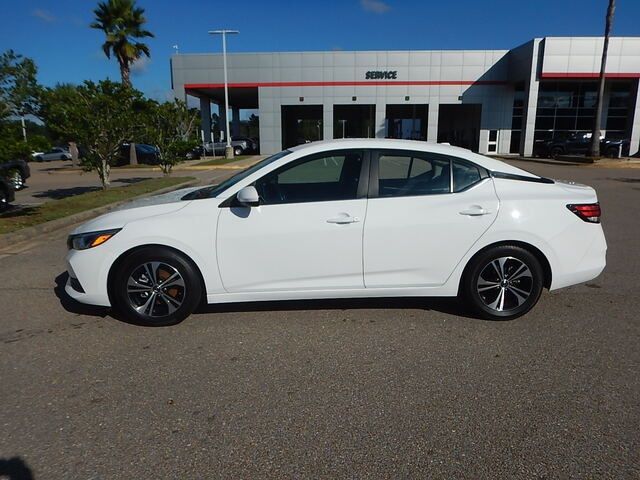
{"points": [[223, 161], [27, 217]]}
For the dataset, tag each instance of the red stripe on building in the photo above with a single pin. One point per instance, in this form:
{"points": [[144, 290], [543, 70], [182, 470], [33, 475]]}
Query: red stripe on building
{"points": [[587, 75], [347, 84]]}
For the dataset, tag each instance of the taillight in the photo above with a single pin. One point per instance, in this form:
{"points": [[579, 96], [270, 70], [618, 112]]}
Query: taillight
{"points": [[589, 212]]}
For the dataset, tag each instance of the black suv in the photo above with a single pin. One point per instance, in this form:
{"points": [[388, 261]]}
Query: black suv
{"points": [[579, 143], [15, 172]]}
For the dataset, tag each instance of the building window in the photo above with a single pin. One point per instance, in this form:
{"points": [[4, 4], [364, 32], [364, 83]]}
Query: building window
{"points": [[516, 118], [407, 121], [568, 107]]}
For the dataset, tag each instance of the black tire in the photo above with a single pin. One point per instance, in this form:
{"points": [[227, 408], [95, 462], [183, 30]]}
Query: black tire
{"points": [[237, 151], [157, 311], [39, 158], [612, 153], [15, 179], [63, 157], [488, 263], [555, 152], [4, 202]]}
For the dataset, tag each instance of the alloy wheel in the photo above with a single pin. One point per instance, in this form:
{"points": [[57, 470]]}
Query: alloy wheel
{"points": [[156, 289], [504, 284]]}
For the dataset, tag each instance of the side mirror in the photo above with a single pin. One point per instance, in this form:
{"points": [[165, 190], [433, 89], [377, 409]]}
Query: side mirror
{"points": [[248, 196]]}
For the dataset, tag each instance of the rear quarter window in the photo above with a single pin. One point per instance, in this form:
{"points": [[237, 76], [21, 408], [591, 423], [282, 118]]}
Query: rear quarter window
{"points": [[465, 175]]}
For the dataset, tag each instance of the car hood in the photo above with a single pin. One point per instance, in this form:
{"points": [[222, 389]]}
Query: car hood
{"points": [[137, 209]]}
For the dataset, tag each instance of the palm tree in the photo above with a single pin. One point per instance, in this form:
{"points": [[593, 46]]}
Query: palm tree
{"points": [[122, 22], [595, 135]]}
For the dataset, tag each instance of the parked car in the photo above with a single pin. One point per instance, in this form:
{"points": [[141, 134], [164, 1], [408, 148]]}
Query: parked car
{"points": [[16, 173], [240, 146], [345, 218], [7, 194], [580, 144], [147, 154], [252, 144], [56, 153]]}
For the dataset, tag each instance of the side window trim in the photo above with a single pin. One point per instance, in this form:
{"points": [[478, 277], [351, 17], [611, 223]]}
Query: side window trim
{"points": [[374, 178], [364, 173]]}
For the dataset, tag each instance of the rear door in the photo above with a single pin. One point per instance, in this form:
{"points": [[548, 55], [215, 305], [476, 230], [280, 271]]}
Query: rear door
{"points": [[425, 211]]}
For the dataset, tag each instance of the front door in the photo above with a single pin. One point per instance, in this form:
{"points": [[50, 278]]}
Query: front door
{"points": [[307, 232], [426, 211]]}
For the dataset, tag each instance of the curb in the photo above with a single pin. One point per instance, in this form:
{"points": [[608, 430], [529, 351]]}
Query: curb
{"points": [[24, 234]]}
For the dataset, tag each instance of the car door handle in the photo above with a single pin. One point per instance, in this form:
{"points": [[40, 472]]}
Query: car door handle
{"points": [[343, 218], [475, 211]]}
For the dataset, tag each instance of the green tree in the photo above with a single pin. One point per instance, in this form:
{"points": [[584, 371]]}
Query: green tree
{"points": [[170, 127], [98, 116], [19, 94], [19, 88], [122, 22]]}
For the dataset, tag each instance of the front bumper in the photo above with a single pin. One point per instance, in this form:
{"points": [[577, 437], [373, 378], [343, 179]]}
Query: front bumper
{"points": [[88, 274]]}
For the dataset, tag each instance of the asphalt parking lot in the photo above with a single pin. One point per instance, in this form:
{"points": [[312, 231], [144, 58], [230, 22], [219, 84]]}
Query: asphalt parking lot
{"points": [[54, 180], [332, 389]]}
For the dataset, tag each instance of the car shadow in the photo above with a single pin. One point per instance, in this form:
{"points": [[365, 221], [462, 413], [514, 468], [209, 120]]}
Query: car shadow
{"points": [[448, 305], [15, 468], [439, 304], [73, 306], [59, 193]]}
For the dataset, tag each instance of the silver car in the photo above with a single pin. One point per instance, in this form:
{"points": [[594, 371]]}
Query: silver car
{"points": [[56, 153]]}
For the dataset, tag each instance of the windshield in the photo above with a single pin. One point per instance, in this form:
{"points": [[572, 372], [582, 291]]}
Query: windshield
{"points": [[215, 190]]}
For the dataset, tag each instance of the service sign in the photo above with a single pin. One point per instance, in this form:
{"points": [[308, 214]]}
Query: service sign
{"points": [[381, 75]]}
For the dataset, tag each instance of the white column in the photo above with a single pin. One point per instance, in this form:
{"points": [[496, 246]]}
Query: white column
{"points": [[634, 146], [432, 121], [327, 121], [379, 126], [529, 117]]}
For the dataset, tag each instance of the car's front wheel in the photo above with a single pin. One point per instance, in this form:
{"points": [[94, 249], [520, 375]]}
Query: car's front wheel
{"points": [[503, 282], [237, 151], [156, 286]]}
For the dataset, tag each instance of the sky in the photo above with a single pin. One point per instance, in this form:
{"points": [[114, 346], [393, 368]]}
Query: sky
{"points": [[56, 33]]}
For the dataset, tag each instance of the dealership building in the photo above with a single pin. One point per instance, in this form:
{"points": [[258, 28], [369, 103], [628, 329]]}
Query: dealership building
{"points": [[491, 101]]}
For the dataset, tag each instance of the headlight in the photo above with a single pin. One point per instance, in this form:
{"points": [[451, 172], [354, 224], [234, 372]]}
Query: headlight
{"points": [[84, 241]]}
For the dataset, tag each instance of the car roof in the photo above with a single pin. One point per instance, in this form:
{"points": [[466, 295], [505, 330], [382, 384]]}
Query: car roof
{"points": [[416, 145]]}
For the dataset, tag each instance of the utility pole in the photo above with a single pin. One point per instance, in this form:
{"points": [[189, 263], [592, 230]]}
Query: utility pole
{"points": [[228, 151], [595, 135]]}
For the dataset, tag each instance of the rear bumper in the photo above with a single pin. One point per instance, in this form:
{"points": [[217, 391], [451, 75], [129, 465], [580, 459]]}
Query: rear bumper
{"points": [[589, 262]]}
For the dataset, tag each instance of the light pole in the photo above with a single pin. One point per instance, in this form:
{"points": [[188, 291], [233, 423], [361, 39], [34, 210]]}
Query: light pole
{"points": [[228, 151]]}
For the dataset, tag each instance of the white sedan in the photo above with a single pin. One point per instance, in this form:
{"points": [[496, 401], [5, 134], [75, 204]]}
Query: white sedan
{"points": [[56, 153], [344, 219]]}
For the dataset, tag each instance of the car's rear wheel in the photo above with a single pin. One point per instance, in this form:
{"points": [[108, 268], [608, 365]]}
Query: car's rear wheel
{"points": [[15, 178], [555, 152], [237, 151], [503, 282], [612, 152], [156, 286]]}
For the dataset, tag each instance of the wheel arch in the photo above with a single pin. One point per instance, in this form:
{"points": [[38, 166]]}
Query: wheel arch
{"points": [[540, 256], [118, 261]]}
